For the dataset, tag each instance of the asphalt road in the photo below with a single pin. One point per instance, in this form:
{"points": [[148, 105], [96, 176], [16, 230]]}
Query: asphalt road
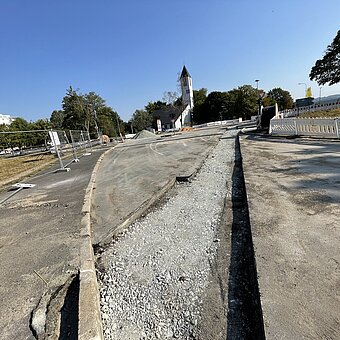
{"points": [[135, 171], [39, 243], [293, 193], [40, 227]]}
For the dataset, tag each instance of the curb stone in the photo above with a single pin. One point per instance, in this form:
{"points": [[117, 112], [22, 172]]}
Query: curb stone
{"points": [[90, 323]]}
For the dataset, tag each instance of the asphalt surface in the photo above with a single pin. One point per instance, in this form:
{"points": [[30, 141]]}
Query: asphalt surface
{"points": [[39, 243], [135, 171], [40, 226], [293, 193]]}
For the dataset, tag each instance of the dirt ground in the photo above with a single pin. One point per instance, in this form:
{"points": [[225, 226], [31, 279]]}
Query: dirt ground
{"points": [[293, 194]]}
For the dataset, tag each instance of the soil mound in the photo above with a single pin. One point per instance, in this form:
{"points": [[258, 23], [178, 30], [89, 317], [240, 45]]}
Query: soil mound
{"points": [[144, 134]]}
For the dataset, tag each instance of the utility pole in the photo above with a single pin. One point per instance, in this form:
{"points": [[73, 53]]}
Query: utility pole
{"points": [[258, 100]]}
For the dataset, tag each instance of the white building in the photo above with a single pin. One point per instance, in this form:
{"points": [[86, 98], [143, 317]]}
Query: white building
{"points": [[172, 117], [5, 119], [186, 86]]}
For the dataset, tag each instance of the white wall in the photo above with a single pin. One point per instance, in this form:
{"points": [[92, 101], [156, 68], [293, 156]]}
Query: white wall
{"points": [[5, 119]]}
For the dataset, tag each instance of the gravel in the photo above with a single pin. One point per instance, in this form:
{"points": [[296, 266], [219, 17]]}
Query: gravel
{"points": [[158, 269]]}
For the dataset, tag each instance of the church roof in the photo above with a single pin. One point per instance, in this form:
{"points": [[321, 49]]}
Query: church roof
{"points": [[185, 72], [166, 115]]}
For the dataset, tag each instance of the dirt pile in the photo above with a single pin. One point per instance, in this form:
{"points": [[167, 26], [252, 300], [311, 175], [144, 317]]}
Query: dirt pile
{"points": [[144, 134]]}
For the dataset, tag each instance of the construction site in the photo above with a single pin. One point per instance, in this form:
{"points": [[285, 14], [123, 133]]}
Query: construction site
{"points": [[213, 233]]}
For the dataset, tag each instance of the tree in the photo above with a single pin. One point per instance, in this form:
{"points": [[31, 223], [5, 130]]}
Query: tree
{"points": [[18, 139], [57, 119], [73, 105], [153, 106], [283, 98], [243, 102], [79, 111], [200, 96], [327, 69], [109, 121], [199, 110], [140, 120], [170, 97]]}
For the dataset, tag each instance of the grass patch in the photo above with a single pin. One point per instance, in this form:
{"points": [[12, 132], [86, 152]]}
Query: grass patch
{"points": [[321, 114], [11, 168]]}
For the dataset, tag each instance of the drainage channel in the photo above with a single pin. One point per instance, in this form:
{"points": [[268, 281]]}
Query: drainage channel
{"points": [[245, 320], [56, 315]]}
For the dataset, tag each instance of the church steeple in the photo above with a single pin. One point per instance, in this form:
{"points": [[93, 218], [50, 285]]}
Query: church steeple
{"points": [[186, 86], [185, 73]]}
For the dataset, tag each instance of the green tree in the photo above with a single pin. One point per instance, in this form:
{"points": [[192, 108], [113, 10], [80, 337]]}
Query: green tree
{"points": [[109, 121], [80, 111], [153, 106], [282, 97], [245, 101], [327, 69], [199, 110], [73, 105], [18, 139], [57, 119], [200, 96], [140, 120], [19, 124], [38, 138]]}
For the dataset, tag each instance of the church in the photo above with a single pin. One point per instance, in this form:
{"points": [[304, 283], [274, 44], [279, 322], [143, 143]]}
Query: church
{"points": [[174, 117]]}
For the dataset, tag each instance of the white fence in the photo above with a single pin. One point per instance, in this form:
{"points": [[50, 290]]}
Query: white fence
{"points": [[219, 123], [310, 127], [311, 108]]}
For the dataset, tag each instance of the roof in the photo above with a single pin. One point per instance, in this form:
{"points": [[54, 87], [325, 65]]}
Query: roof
{"points": [[167, 115], [185, 73]]}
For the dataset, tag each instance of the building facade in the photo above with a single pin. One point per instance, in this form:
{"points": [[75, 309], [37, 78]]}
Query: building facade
{"points": [[5, 119]]}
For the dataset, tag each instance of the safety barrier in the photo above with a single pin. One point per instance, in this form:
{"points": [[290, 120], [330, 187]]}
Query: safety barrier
{"points": [[81, 143], [310, 127], [218, 123], [322, 106]]}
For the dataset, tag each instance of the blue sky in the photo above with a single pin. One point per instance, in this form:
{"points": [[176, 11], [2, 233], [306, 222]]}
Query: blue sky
{"points": [[130, 52]]}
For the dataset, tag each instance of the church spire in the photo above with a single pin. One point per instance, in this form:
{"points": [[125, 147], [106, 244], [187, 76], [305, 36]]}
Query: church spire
{"points": [[186, 86], [184, 73]]}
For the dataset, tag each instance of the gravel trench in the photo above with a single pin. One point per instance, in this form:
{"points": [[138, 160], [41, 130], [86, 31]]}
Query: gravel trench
{"points": [[157, 271]]}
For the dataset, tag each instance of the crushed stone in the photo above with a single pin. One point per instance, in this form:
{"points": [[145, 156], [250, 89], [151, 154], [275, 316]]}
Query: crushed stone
{"points": [[158, 269]]}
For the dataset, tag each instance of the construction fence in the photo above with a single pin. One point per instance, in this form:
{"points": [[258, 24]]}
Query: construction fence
{"points": [[309, 127], [72, 143], [67, 146]]}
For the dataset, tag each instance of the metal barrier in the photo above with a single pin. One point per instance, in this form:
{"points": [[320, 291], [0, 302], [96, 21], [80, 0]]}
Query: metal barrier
{"points": [[310, 127], [218, 123], [60, 144], [81, 143], [40, 142], [323, 106]]}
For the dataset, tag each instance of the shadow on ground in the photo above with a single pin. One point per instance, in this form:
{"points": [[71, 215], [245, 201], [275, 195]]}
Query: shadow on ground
{"points": [[245, 320]]}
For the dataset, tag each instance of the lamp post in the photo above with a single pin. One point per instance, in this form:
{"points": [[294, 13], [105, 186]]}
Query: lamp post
{"points": [[257, 84], [320, 94], [305, 88], [258, 100]]}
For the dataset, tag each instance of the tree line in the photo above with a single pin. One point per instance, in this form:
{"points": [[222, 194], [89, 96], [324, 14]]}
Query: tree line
{"points": [[89, 111]]}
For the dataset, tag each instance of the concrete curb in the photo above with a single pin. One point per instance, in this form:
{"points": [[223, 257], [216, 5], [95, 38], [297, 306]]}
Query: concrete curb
{"points": [[183, 177], [138, 212], [89, 324]]}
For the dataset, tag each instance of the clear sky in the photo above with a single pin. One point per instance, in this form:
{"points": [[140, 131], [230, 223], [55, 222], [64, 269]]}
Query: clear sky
{"points": [[131, 51]]}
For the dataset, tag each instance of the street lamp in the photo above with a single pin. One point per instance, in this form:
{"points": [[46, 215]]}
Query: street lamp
{"points": [[257, 84], [320, 94], [258, 100], [305, 88]]}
